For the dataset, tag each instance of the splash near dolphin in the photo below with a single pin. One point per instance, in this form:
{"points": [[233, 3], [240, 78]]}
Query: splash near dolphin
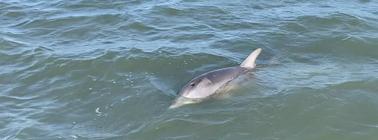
{"points": [[205, 85]]}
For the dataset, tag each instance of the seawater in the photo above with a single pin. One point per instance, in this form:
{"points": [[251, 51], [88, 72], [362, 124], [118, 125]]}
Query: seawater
{"points": [[96, 69]]}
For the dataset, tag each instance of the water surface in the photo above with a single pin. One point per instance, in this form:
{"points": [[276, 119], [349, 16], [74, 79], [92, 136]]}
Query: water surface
{"points": [[86, 69]]}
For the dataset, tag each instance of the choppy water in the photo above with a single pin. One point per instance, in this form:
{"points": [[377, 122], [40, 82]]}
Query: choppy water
{"points": [[86, 69]]}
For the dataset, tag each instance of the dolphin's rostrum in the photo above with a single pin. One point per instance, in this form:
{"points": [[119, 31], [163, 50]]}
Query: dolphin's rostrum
{"points": [[210, 83]]}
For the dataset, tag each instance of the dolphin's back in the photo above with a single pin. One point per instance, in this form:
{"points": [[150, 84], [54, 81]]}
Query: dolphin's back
{"points": [[217, 79], [224, 75]]}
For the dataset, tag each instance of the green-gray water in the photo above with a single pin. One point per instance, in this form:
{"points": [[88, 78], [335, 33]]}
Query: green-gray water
{"points": [[85, 69]]}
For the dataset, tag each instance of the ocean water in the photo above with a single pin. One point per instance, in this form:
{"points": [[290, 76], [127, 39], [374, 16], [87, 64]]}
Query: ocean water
{"points": [[93, 69]]}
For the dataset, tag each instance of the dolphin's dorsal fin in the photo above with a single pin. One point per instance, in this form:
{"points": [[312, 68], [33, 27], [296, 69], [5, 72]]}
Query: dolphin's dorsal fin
{"points": [[250, 61]]}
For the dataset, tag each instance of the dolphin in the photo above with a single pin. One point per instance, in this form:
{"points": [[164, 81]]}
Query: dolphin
{"points": [[213, 82]]}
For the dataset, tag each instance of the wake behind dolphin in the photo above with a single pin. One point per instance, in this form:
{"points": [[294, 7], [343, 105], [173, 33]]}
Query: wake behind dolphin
{"points": [[205, 85]]}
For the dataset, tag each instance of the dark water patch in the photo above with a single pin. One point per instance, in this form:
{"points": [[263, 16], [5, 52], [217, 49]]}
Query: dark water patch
{"points": [[357, 85], [167, 11], [11, 45], [55, 23], [72, 20], [344, 47], [336, 22], [80, 33], [294, 27], [15, 14], [196, 28], [237, 44], [138, 27], [79, 4], [192, 37], [187, 10]]}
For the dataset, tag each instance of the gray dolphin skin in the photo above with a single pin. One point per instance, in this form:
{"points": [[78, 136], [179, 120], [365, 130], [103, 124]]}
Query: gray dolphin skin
{"points": [[209, 84]]}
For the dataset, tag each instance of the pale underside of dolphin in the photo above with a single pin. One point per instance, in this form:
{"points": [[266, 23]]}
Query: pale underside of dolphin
{"points": [[211, 83]]}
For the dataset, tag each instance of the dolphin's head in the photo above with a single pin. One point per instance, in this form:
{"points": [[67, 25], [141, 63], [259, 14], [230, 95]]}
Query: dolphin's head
{"points": [[198, 88], [193, 92]]}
